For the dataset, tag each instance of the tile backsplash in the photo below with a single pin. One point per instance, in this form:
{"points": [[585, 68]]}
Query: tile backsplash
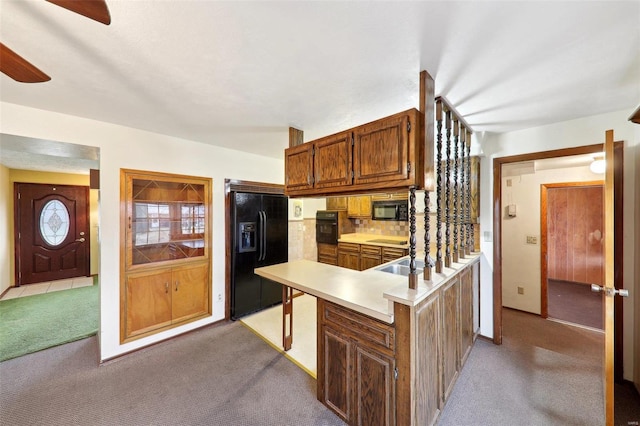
{"points": [[382, 227]]}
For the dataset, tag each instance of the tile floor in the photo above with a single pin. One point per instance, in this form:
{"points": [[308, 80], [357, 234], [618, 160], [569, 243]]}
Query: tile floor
{"points": [[268, 325], [39, 288]]}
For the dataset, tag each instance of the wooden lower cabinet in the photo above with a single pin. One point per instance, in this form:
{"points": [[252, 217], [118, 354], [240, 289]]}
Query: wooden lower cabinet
{"points": [[328, 253], [356, 366], [162, 298], [370, 256], [374, 373], [349, 255], [365, 256]]}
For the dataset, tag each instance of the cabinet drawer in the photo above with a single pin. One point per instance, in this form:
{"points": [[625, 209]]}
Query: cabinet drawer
{"points": [[352, 247], [393, 253], [359, 327], [374, 250], [327, 250]]}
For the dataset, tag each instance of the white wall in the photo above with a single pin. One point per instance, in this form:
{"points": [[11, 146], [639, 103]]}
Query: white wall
{"points": [[122, 147], [521, 261], [580, 132]]}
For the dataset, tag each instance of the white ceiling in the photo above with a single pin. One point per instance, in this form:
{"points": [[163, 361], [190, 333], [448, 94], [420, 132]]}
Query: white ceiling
{"points": [[238, 74]]}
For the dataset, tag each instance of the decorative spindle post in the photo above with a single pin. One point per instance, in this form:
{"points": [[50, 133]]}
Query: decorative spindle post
{"points": [[439, 187], [427, 108], [470, 231], [413, 276], [456, 164], [463, 218], [447, 198], [427, 238]]}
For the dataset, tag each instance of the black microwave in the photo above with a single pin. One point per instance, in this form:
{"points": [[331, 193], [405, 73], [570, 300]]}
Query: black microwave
{"points": [[390, 210]]}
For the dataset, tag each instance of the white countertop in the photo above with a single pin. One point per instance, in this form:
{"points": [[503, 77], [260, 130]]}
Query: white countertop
{"points": [[361, 238], [369, 292]]}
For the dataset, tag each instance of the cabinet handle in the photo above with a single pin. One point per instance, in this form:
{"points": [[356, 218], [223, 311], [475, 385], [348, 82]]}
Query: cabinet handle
{"points": [[166, 287], [176, 285]]}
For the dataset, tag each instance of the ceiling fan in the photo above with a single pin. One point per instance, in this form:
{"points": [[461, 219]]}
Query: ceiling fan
{"points": [[23, 71]]}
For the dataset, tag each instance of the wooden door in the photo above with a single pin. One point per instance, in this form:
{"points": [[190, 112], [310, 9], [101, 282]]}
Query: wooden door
{"points": [[298, 167], [51, 232], [381, 150], [190, 286], [332, 161], [609, 284], [148, 301]]}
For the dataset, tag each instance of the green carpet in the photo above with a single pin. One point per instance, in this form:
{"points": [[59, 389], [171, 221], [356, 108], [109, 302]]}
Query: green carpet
{"points": [[33, 323]]}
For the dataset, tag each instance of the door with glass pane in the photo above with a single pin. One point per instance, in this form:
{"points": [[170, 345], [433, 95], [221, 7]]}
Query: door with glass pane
{"points": [[51, 232]]}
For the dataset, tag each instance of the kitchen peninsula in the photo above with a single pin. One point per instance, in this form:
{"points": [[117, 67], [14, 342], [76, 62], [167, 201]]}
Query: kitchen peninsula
{"points": [[387, 354]]}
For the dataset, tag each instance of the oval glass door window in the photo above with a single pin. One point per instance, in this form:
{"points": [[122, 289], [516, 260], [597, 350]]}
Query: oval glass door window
{"points": [[54, 222]]}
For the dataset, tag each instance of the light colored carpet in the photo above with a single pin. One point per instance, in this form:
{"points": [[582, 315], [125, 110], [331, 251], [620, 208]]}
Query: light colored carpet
{"points": [[33, 323], [268, 325], [218, 375], [544, 373]]}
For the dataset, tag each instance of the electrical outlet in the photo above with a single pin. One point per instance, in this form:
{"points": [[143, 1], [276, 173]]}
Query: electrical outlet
{"points": [[509, 183], [532, 239], [219, 297], [520, 290]]}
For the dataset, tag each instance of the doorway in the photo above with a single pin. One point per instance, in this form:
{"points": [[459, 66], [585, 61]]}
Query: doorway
{"points": [[572, 252], [51, 232], [499, 205]]}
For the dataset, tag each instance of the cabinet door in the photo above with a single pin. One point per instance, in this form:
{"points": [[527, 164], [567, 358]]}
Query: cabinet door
{"points": [[348, 259], [298, 167], [381, 150], [190, 287], [148, 302], [359, 206], [369, 261], [336, 364], [466, 313], [374, 388], [450, 335], [336, 203], [332, 161]]}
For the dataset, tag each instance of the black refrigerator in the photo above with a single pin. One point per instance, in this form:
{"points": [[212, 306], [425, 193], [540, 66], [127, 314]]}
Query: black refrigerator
{"points": [[260, 238]]}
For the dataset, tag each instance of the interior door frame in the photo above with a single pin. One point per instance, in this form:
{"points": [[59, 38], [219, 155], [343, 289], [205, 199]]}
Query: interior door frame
{"points": [[232, 185], [618, 234], [544, 265]]}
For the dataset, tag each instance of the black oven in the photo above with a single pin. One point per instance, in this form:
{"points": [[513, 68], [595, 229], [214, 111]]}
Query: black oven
{"points": [[327, 227]]}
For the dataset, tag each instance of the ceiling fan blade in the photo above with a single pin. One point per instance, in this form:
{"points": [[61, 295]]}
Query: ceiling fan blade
{"points": [[93, 9], [18, 68]]}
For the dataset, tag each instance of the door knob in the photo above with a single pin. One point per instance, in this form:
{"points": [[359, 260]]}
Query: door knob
{"points": [[81, 240], [609, 291]]}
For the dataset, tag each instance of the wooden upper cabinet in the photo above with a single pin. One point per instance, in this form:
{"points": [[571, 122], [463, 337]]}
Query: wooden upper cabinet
{"points": [[298, 166], [381, 150], [382, 155], [333, 161]]}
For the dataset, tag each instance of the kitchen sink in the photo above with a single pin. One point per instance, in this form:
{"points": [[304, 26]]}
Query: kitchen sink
{"points": [[385, 241], [405, 262], [398, 269]]}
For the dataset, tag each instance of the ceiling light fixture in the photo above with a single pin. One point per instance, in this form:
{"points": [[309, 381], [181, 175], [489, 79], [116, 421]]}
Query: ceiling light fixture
{"points": [[598, 166]]}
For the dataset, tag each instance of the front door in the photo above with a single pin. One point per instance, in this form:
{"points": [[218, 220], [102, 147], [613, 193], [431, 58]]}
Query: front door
{"points": [[51, 232]]}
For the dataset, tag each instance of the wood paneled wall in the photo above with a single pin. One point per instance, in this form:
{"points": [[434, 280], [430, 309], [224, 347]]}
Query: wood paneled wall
{"points": [[575, 233]]}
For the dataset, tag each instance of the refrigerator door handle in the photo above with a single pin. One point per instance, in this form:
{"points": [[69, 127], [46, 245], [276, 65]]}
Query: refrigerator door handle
{"points": [[261, 236], [264, 236]]}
